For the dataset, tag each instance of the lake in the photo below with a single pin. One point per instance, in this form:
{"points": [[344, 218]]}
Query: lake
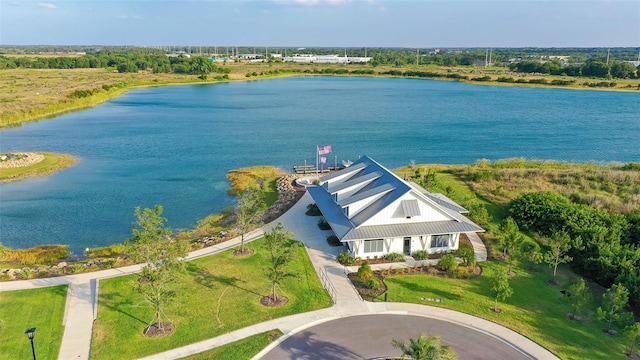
{"points": [[174, 145]]}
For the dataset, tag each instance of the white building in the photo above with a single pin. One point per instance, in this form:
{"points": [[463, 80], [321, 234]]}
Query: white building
{"points": [[374, 212], [325, 59]]}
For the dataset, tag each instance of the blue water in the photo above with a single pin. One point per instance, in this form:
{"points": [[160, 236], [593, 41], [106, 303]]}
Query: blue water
{"points": [[174, 145]]}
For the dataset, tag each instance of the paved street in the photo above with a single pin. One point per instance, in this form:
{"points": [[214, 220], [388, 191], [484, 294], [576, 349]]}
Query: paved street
{"points": [[369, 336]]}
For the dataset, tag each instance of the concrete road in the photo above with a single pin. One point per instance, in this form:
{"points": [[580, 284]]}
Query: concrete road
{"points": [[369, 337]]}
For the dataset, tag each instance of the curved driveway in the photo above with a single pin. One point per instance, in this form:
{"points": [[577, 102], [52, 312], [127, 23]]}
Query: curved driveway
{"points": [[369, 336]]}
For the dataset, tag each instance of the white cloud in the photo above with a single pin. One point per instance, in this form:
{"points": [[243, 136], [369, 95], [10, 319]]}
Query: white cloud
{"points": [[47, 5], [129, 17]]}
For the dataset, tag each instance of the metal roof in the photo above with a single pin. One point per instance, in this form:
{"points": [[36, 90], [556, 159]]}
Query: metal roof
{"points": [[355, 181], [410, 229], [387, 188]]}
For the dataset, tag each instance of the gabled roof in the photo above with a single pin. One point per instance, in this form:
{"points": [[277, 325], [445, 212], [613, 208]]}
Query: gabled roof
{"points": [[378, 188]]}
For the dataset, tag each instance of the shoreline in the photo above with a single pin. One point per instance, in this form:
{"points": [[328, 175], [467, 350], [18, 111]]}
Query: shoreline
{"points": [[20, 118]]}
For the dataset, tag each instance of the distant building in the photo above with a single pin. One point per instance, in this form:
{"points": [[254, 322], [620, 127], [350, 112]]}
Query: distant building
{"points": [[325, 59]]}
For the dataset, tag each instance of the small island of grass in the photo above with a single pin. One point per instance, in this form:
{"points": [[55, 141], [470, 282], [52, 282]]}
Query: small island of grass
{"points": [[23, 165]]}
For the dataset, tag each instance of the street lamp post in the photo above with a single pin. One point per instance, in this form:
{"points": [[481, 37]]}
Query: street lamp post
{"points": [[31, 332]]}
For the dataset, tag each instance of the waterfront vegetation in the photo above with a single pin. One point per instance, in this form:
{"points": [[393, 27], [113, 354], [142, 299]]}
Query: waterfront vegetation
{"points": [[22, 309], [51, 163], [218, 294], [246, 348]]}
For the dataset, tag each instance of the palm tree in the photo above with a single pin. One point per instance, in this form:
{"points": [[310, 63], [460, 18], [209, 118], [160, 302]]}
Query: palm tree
{"points": [[425, 348]]}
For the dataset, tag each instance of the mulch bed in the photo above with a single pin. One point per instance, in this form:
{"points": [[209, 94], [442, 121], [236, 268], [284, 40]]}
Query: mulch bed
{"points": [[368, 294], [268, 301], [246, 252], [154, 330]]}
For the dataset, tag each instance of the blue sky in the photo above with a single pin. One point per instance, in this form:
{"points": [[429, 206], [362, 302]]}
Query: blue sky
{"points": [[307, 23]]}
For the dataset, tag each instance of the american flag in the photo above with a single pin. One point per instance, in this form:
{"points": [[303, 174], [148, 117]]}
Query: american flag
{"points": [[324, 150]]}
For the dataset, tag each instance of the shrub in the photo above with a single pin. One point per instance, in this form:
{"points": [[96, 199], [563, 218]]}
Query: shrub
{"points": [[373, 284], [447, 263], [42, 254], [345, 258], [313, 210], [107, 251], [420, 254], [467, 256], [483, 78], [395, 257], [505, 79], [522, 81], [323, 224], [538, 81], [364, 271], [333, 240]]}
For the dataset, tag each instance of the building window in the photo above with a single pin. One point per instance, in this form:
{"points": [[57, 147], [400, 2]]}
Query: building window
{"points": [[440, 241], [371, 246]]}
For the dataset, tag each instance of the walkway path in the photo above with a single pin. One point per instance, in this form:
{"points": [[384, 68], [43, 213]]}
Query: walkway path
{"points": [[82, 301]]}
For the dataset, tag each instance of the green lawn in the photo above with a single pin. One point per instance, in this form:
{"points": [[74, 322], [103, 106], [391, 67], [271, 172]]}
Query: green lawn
{"points": [[239, 350], [220, 293], [536, 309], [40, 308]]}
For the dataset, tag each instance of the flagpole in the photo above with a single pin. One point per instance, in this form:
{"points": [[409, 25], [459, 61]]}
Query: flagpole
{"points": [[317, 158]]}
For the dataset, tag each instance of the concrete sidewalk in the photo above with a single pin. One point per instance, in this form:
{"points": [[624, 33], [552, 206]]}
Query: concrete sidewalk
{"points": [[82, 297], [81, 306]]}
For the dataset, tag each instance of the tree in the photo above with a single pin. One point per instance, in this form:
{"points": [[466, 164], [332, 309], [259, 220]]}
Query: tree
{"points": [[613, 301], [580, 296], [424, 348], [511, 240], [280, 253], [163, 259], [595, 69], [250, 206], [623, 70], [632, 333], [560, 244], [500, 288]]}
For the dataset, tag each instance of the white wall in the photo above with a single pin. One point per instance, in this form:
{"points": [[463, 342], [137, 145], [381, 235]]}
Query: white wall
{"points": [[397, 245]]}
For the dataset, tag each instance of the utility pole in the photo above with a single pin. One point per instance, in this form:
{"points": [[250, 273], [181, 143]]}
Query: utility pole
{"points": [[608, 51], [489, 56], [417, 56]]}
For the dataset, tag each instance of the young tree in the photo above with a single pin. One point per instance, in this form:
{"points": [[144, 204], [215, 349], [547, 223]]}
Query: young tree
{"points": [[560, 244], [163, 259], [613, 301], [511, 240], [424, 348], [632, 333], [250, 206], [580, 296], [500, 288], [280, 253]]}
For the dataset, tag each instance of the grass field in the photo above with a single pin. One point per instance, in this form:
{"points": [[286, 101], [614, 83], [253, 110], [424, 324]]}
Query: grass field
{"points": [[536, 309], [243, 349], [40, 308], [50, 164], [219, 294]]}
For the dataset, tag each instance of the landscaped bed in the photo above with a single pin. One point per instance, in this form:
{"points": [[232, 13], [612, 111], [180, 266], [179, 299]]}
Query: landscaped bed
{"points": [[219, 294]]}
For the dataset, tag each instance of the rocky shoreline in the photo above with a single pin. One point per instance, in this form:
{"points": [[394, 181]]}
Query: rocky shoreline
{"points": [[22, 159]]}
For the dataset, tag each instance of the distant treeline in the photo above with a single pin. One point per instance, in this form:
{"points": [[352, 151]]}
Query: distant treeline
{"points": [[594, 63], [591, 68], [122, 61]]}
